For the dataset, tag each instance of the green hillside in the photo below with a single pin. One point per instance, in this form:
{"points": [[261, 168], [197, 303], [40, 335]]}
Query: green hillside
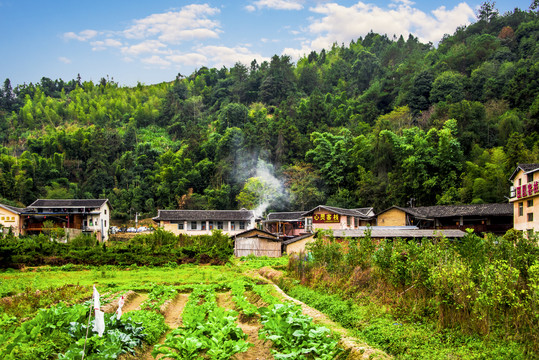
{"points": [[375, 122]]}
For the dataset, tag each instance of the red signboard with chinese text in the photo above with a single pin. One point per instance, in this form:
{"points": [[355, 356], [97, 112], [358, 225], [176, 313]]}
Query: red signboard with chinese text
{"points": [[326, 218]]}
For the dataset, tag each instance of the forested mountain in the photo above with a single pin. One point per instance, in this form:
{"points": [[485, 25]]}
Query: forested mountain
{"points": [[376, 122]]}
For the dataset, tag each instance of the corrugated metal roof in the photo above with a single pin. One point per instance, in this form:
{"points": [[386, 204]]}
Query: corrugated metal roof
{"points": [[399, 233], [285, 216]]}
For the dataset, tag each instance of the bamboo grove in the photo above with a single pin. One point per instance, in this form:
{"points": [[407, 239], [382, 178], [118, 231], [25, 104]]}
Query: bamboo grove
{"points": [[375, 122]]}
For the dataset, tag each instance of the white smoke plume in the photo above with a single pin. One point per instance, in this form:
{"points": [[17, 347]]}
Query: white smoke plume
{"points": [[273, 192]]}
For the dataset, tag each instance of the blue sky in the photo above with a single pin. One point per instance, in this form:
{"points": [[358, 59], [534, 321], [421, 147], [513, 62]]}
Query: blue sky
{"points": [[151, 41]]}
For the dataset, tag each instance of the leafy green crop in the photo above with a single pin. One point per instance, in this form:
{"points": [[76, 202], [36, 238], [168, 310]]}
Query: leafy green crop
{"points": [[238, 289], [295, 335], [209, 332]]}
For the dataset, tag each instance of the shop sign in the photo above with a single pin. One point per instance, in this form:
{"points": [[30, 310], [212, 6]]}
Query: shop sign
{"points": [[527, 189], [326, 218]]}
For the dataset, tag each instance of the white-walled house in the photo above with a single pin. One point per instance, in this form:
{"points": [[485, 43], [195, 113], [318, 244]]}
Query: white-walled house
{"points": [[74, 215], [10, 219], [201, 222]]}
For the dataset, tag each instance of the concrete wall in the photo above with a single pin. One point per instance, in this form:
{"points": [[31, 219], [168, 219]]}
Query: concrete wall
{"points": [[11, 220], [227, 227], [392, 217], [529, 205], [298, 246]]}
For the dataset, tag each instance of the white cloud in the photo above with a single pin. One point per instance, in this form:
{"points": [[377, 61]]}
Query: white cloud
{"points": [[228, 56], [276, 4], [147, 46], [340, 23], [156, 60], [191, 59], [84, 35], [103, 45], [191, 22], [64, 60]]}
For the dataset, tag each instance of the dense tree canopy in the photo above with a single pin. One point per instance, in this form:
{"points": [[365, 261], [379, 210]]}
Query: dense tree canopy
{"points": [[375, 123]]}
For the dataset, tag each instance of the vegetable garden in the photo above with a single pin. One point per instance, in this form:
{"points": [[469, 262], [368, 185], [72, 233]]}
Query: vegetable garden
{"points": [[212, 307]]}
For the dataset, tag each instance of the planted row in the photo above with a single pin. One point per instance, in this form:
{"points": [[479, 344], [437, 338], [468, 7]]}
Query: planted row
{"points": [[295, 335], [60, 331], [158, 296], [208, 331], [237, 289]]}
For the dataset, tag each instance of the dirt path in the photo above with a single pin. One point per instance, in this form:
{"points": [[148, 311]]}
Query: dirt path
{"points": [[172, 315], [260, 350], [134, 304], [358, 350]]}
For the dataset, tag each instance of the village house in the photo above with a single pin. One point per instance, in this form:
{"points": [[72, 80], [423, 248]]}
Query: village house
{"points": [[200, 222], [285, 223], [524, 197], [76, 216], [10, 219], [494, 218], [332, 218]]}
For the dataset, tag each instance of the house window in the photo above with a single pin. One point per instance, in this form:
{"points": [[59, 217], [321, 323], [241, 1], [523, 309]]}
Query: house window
{"points": [[180, 226], [530, 203], [220, 225], [203, 225], [356, 222], [193, 225], [105, 223], [105, 211], [519, 182], [348, 221], [530, 177], [521, 209], [530, 216], [210, 225], [242, 225], [232, 225]]}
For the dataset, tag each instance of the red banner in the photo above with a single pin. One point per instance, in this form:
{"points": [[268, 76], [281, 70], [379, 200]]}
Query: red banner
{"points": [[326, 218]]}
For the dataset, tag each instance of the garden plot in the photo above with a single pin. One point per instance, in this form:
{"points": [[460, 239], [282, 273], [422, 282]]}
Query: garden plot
{"points": [[227, 319]]}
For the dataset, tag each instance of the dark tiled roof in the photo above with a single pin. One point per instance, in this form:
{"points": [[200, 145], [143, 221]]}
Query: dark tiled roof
{"points": [[377, 232], [440, 211], [297, 238], [526, 168], [257, 233], [62, 203], [285, 216], [12, 208], [361, 212], [192, 215]]}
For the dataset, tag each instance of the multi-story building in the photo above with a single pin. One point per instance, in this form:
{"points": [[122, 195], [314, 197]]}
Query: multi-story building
{"points": [[10, 219], [74, 215], [200, 222], [525, 197], [333, 218]]}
